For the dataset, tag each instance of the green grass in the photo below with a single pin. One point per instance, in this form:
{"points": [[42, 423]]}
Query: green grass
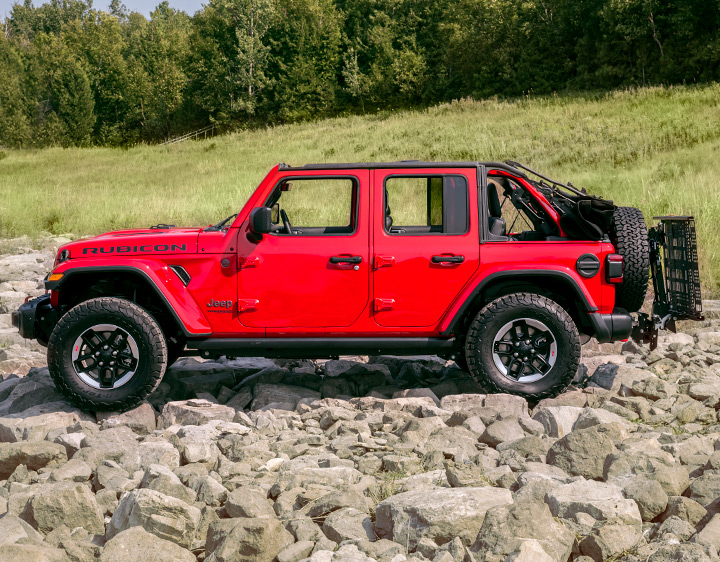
{"points": [[653, 148]]}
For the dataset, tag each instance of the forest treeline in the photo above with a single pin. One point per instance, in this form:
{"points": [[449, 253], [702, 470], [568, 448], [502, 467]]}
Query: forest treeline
{"points": [[71, 74]]}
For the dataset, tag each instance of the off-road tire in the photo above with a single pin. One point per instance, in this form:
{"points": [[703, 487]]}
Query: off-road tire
{"points": [[131, 318], [628, 233], [496, 314]]}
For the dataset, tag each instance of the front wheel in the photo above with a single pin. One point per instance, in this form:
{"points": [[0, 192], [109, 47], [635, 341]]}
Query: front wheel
{"points": [[523, 344], [107, 354]]}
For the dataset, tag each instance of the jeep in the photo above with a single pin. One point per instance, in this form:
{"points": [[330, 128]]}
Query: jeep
{"points": [[493, 265]]}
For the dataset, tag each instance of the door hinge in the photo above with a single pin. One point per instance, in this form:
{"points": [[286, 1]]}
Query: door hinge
{"points": [[384, 261], [384, 304], [247, 304]]}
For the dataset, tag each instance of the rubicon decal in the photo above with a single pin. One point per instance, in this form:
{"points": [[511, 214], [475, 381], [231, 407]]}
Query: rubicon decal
{"points": [[149, 248]]}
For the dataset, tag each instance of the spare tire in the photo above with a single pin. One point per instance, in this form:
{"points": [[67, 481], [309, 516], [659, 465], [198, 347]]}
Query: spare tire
{"points": [[628, 234]]}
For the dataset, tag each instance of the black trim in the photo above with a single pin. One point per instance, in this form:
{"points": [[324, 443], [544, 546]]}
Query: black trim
{"points": [[443, 226], [510, 275], [182, 273], [55, 286], [612, 327], [315, 348], [35, 319], [405, 164], [355, 210]]}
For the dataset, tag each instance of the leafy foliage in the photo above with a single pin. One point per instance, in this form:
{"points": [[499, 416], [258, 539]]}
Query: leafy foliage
{"points": [[74, 75]]}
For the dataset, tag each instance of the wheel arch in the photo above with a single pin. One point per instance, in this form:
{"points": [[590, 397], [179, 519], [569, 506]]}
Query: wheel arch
{"points": [[136, 285], [557, 285]]}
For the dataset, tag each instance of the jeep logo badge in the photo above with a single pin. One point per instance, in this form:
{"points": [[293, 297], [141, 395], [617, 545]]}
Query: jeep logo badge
{"points": [[220, 306]]}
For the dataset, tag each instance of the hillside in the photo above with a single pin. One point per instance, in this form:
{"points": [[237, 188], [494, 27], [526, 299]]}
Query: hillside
{"points": [[652, 148]]}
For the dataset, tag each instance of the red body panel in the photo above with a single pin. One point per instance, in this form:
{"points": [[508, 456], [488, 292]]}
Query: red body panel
{"points": [[284, 286]]}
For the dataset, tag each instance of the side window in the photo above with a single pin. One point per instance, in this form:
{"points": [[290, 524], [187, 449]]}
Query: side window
{"points": [[426, 205], [514, 214], [315, 206]]}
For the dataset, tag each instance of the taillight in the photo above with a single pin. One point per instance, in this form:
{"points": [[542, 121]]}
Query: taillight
{"points": [[614, 268]]}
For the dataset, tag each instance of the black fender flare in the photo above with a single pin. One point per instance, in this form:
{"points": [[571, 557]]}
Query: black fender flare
{"points": [[56, 286]]}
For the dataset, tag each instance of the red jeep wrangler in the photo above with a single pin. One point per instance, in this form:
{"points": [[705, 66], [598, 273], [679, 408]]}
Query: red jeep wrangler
{"points": [[478, 262]]}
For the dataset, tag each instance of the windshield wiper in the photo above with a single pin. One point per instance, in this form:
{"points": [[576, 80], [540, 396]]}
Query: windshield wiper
{"points": [[221, 224]]}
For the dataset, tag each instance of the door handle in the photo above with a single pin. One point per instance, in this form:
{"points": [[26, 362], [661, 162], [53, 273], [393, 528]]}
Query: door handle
{"points": [[346, 259], [447, 259]]}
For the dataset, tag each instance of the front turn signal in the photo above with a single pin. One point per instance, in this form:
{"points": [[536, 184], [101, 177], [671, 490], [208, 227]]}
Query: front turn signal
{"points": [[55, 277]]}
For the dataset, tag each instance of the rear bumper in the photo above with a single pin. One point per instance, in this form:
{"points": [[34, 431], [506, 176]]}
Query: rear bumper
{"points": [[612, 327], [35, 319]]}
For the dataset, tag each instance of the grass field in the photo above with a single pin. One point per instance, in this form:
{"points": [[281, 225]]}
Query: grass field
{"points": [[653, 148]]}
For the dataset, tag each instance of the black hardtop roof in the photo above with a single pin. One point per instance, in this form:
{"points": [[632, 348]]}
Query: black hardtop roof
{"points": [[402, 164]]}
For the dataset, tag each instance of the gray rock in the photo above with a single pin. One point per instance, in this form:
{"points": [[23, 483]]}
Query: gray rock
{"points": [[161, 479], [685, 509], [246, 540], [706, 489], [140, 419], [136, 543], [676, 527], [12, 529], [529, 550], [649, 495], [601, 501], [164, 516], [193, 412], [558, 421], [296, 551], [685, 552], [610, 540], [501, 431], [439, 514], [582, 452], [348, 523], [36, 553], [35, 423], [248, 503], [507, 527], [649, 461], [34, 455], [268, 393], [710, 533], [65, 503], [74, 470]]}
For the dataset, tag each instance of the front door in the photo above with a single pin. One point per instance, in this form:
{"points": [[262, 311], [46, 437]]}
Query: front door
{"points": [[426, 245], [313, 271]]}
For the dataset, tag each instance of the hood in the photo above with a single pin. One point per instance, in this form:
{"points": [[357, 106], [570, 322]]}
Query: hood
{"points": [[147, 241]]}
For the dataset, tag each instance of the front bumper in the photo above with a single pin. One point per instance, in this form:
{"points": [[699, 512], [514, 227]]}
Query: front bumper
{"points": [[616, 326], [35, 319]]}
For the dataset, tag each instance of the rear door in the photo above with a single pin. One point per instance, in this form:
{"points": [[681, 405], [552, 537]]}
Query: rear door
{"points": [[426, 244]]}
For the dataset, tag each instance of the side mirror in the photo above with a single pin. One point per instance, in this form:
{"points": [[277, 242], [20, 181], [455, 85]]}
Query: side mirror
{"points": [[260, 221]]}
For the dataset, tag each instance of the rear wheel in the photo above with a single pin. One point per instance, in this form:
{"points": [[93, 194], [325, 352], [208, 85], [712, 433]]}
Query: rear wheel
{"points": [[107, 354], [628, 233], [523, 344]]}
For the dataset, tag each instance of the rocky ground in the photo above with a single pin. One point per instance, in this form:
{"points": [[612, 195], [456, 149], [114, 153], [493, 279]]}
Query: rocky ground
{"points": [[362, 459]]}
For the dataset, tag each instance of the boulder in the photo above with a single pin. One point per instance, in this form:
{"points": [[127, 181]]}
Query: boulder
{"points": [[602, 501], [34, 455], [193, 412], [558, 421], [610, 540], [136, 543], [64, 503], [507, 527], [12, 529], [246, 540], [348, 523], [268, 393], [35, 423], [582, 452], [164, 516], [439, 514], [140, 419], [248, 503]]}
